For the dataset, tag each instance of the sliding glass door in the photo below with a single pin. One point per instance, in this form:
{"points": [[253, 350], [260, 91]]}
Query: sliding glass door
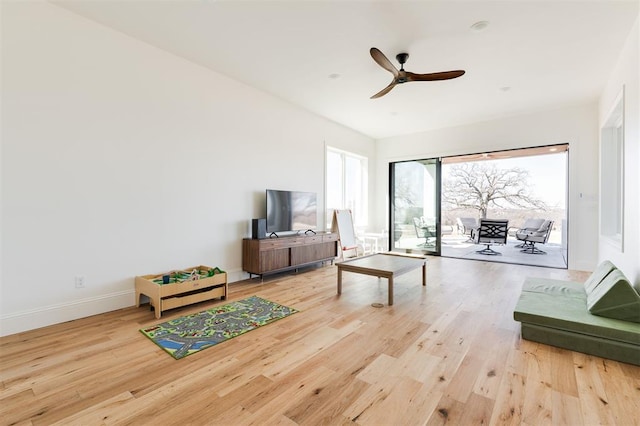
{"points": [[436, 204], [415, 206]]}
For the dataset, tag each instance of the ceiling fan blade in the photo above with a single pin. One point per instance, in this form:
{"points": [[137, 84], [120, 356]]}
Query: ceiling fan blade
{"points": [[382, 60], [385, 90], [445, 75]]}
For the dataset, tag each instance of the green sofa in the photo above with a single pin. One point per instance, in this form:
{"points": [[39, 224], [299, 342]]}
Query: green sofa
{"points": [[600, 317]]}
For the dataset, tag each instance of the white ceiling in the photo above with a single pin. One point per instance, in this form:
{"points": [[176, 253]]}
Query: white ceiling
{"points": [[533, 55]]}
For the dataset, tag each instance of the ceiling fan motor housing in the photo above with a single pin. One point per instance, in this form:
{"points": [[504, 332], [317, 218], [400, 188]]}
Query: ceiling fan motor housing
{"points": [[402, 58]]}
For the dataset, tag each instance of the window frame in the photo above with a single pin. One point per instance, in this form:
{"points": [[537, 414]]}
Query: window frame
{"points": [[612, 175], [358, 207]]}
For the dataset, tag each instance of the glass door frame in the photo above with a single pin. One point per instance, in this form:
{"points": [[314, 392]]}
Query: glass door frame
{"points": [[436, 250]]}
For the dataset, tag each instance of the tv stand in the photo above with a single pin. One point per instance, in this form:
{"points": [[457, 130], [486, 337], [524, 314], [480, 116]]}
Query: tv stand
{"points": [[271, 255]]}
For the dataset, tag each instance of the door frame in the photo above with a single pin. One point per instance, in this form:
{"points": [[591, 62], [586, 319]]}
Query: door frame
{"points": [[436, 251]]}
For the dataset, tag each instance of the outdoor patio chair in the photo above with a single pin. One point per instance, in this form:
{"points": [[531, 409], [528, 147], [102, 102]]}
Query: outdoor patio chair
{"points": [[530, 225], [491, 232], [425, 230], [466, 226], [530, 238]]}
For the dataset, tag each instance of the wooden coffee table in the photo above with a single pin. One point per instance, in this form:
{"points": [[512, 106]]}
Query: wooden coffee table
{"points": [[387, 265]]}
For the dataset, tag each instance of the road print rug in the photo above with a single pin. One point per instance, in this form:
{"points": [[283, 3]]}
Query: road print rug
{"points": [[192, 333]]}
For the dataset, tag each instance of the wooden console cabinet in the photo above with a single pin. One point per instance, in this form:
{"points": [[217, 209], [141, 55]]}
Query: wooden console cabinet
{"points": [[269, 255]]}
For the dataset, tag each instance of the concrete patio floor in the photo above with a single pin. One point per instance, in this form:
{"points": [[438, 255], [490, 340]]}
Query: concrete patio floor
{"points": [[459, 247]]}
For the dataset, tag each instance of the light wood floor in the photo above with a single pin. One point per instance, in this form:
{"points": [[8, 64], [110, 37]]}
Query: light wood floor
{"points": [[447, 353]]}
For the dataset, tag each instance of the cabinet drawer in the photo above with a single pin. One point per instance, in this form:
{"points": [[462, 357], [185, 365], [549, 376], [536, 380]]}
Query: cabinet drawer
{"points": [[188, 299], [272, 244], [329, 237], [313, 240], [277, 243]]}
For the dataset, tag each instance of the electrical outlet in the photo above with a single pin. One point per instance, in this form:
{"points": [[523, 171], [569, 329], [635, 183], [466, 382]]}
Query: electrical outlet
{"points": [[79, 281]]}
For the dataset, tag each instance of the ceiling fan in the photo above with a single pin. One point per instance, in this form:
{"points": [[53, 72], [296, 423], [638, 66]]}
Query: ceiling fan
{"points": [[401, 76]]}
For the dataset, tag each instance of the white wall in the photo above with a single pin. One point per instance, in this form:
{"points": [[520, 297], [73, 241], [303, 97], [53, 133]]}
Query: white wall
{"points": [[119, 159], [627, 73], [575, 125]]}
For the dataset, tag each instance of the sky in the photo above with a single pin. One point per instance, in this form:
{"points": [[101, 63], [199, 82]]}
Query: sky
{"points": [[548, 175]]}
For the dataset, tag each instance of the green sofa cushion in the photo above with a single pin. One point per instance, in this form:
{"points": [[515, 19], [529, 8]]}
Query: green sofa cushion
{"points": [[570, 314], [611, 349], [614, 297], [598, 275], [557, 287]]}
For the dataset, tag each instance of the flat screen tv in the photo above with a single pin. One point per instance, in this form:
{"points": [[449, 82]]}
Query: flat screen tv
{"points": [[291, 211]]}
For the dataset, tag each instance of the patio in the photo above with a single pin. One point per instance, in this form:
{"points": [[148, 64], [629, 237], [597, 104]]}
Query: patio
{"points": [[458, 246]]}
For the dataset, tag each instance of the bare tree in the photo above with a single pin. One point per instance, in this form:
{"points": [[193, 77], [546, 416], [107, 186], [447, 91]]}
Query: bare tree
{"points": [[481, 186]]}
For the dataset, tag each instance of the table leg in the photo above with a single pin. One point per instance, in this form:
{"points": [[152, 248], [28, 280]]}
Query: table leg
{"points": [[157, 307], [424, 274], [339, 281], [391, 290]]}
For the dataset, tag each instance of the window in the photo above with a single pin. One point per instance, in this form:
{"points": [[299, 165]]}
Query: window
{"points": [[347, 185]]}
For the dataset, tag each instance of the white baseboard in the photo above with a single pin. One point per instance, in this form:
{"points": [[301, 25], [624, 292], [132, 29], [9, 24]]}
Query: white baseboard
{"points": [[55, 314], [236, 275]]}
